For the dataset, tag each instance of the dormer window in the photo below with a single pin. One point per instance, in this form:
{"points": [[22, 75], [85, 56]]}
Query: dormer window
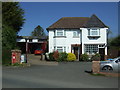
{"points": [[93, 32]]}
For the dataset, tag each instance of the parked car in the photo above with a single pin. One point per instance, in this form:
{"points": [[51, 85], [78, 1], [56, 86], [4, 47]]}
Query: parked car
{"points": [[38, 51], [112, 65], [110, 59]]}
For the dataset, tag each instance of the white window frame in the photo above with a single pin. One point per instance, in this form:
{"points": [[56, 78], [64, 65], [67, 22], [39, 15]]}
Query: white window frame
{"points": [[91, 48], [63, 48], [91, 30], [61, 31], [75, 34]]}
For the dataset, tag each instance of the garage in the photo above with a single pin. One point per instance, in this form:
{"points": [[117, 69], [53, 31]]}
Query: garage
{"points": [[30, 44]]}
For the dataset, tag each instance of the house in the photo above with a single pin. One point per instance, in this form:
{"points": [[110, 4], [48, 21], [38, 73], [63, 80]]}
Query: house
{"points": [[79, 35], [33, 43]]}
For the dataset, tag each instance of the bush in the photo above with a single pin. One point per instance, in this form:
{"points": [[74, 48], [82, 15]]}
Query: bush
{"points": [[71, 57], [6, 56], [84, 57], [96, 57], [51, 58], [62, 56], [56, 55]]}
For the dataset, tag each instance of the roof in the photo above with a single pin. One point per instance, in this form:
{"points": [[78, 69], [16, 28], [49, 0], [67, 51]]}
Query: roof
{"points": [[31, 37], [77, 22], [94, 21]]}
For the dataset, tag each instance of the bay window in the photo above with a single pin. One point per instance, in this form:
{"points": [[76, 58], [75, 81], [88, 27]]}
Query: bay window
{"points": [[91, 48]]}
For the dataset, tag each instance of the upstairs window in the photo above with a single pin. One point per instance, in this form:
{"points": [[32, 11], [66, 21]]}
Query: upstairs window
{"points": [[75, 34], [60, 33], [93, 32]]}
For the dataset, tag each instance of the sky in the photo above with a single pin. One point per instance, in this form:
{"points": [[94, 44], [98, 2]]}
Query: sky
{"points": [[47, 13]]}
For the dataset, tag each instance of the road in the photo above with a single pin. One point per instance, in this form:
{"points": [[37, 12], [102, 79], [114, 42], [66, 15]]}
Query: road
{"points": [[62, 75]]}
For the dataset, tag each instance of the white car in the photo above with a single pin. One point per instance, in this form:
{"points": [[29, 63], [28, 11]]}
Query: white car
{"points": [[113, 65]]}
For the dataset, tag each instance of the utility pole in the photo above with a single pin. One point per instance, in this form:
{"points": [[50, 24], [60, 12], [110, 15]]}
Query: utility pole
{"points": [[26, 47]]}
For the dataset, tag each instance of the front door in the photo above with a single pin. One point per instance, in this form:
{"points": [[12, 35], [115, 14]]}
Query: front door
{"points": [[75, 49], [102, 53]]}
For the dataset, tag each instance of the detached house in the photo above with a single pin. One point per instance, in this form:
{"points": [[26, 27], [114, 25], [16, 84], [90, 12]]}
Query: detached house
{"points": [[79, 35]]}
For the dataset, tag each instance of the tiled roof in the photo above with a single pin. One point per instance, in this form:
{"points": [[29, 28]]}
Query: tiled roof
{"points": [[94, 21], [77, 22]]}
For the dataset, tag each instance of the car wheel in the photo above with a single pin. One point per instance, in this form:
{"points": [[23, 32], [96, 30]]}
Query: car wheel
{"points": [[107, 68]]}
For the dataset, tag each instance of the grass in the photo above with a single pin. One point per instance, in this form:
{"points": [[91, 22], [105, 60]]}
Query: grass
{"points": [[17, 64], [97, 74]]}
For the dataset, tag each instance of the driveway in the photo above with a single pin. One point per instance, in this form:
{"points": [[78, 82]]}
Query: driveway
{"points": [[63, 75]]}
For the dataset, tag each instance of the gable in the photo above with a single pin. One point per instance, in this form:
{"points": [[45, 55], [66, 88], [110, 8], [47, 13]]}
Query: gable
{"points": [[94, 21]]}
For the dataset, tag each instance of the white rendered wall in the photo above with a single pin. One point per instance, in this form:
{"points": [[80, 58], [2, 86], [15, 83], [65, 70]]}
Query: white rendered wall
{"points": [[51, 35], [101, 40], [23, 40], [20, 40], [34, 40], [63, 41]]}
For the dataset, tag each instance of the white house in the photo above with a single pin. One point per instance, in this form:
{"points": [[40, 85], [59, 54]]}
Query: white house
{"points": [[78, 35]]}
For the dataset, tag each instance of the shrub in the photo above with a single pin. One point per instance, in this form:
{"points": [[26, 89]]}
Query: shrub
{"points": [[71, 57], [6, 56], [51, 58], [62, 56], [56, 55], [96, 57], [84, 57]]}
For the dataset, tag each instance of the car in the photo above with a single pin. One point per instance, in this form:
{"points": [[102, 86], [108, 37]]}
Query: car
{"points": [[110, 59], [112, 65], [38, 52]]}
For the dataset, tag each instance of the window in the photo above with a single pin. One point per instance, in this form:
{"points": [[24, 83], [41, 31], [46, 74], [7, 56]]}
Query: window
{"points": [[93, 32], [91, 49], [75, 34], [60, 33], [60, 49]]}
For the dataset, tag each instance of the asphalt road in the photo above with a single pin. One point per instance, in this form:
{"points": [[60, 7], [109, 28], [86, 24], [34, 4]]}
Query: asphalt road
{"points": [[63, 75]]}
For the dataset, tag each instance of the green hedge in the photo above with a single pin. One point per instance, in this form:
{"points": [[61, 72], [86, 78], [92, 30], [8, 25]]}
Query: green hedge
{"points": [[62, 56], [51, 58], [84, 57], [6, 56], [96, 57]]}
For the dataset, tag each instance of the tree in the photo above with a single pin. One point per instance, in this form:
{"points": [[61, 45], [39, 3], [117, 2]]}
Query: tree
{"points": [[12, 15], [38, 32], [116, 42], [13, 19]]}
